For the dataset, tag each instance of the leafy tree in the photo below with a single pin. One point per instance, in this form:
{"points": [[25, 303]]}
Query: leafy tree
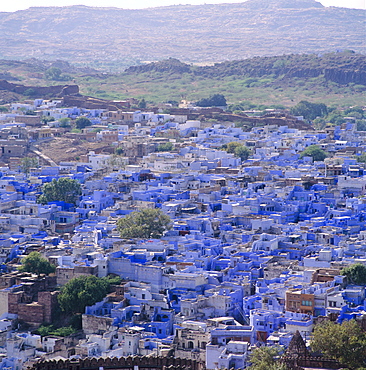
{"points": [[142, 104], [335, 117], [242, 152], [356, 273], [44, 330], [238, 149], [27, 163], [63, 189], [361, 125], [216, 100], [45, 119], [53, 73], [361, 158], [314, 151], [119, 151], [64, 122], [81, 292], [64, 331], [309, 110], [230, 147], [37, 264], [166, 147], [3, 109], [147, 223], [266, 358], [345, 343], [353, 110], [82, 122]]}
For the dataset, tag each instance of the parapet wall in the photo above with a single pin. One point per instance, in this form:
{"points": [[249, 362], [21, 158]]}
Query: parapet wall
{"points": [[122, 363]]}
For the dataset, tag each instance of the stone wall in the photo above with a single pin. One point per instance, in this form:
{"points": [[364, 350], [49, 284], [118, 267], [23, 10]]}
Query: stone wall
{"points": [[96, 324], [125, 363]]}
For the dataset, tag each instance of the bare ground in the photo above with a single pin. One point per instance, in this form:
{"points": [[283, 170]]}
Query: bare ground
{"points": [[63, 149]]}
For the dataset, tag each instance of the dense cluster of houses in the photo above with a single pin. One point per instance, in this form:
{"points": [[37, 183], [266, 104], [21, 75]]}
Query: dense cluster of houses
{"points": [[254, 253]]}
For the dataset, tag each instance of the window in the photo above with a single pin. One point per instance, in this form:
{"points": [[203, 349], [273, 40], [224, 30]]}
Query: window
{"points": [[306, 303]]}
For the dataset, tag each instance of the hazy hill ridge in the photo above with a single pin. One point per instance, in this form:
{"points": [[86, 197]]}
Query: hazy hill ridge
{"points": [[192, 33]]}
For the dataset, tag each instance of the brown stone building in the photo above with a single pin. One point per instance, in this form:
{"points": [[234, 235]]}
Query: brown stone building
{"points": [[299, 302]]}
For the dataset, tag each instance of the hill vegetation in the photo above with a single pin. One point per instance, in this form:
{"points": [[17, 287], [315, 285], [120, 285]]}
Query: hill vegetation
{"points": [[335, 79]]}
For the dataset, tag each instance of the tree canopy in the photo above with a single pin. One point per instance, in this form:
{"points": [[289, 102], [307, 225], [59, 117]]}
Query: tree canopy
{"points": [[362, 158], [356, 274], [142, 104], [238, 149], [315, 152], [309, 110], [81, 292], [82, 122], [147, 223], [55, 74], [165, 147], [63, 189], [216, 100], [345, 343], [266, 358], [27, 163], [242, 152], [37, 264], [64, 122]]}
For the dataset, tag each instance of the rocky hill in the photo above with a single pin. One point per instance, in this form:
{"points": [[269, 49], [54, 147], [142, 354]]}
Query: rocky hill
{"points": [[343, 68], [337, 79], [192, 33]]}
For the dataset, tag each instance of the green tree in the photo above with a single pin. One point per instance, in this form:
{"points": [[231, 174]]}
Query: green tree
{"points": [[216, 100], [166, 147], [64, 122], [147, 223], [230, 147], [81, 292], [361, 158], [37, 264], [119, 151], [46, 119], [82, 122], [266, 358], [238, 149], [345, 343], [63, 189], [309, 110], [142, 104], [242, 152], [315, 152], [353, 110], [53, 73], [3, 109], [361, 125], [356, 274], [64, 331], [27, 163]]}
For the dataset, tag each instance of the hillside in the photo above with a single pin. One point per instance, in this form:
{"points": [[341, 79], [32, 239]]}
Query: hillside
{"points": [[111, 38], [336, 79]]}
